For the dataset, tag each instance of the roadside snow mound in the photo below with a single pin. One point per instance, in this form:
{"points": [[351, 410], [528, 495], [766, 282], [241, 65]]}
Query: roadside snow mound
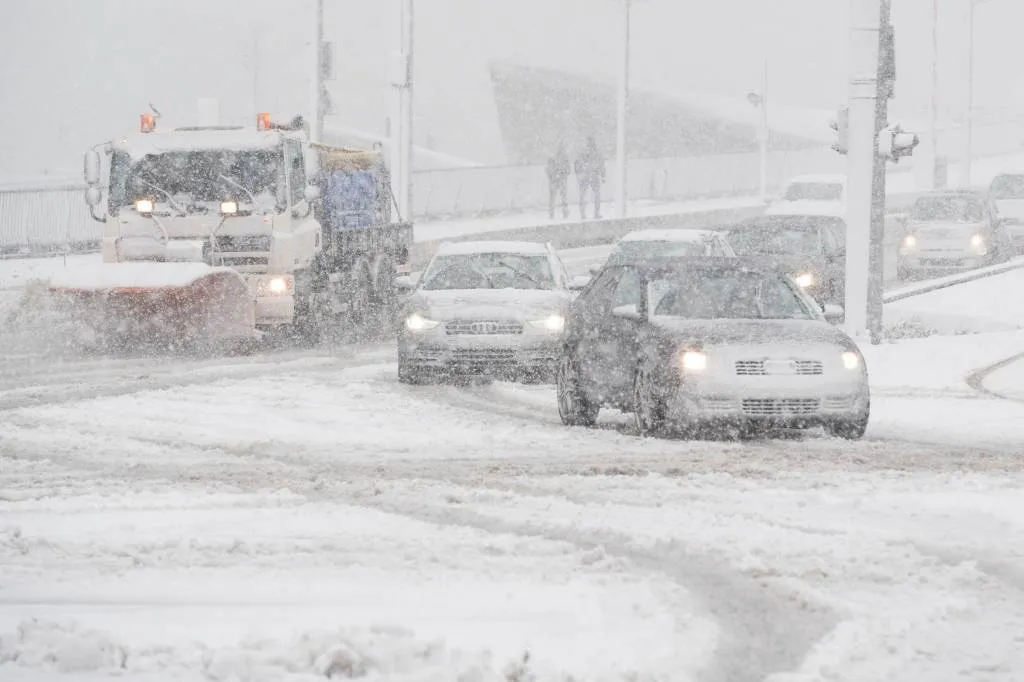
{"points": [[372, 655]]}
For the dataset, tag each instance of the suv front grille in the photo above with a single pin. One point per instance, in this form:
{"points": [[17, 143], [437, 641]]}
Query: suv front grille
{"points": [[481, 327]]}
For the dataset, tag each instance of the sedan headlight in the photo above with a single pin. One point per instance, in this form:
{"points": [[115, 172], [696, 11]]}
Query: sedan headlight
{"points": [[552, 323], [694, 361], [275, 286], [977, 241], [805, 280], [910, 241], [851, 360], [144, 205], [418, 323]]}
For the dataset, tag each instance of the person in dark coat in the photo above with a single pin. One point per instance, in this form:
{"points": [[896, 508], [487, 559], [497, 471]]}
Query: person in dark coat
{"points": [[558, 180], [590, 174]]}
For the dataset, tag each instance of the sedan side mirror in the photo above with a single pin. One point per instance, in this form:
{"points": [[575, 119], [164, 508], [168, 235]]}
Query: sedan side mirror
{"points": [[405, 283], [594, 269], [579, 283], [627, 312], [833, 313]]}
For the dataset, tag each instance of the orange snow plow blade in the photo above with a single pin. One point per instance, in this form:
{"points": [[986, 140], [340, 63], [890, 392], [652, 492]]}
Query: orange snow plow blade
{"points": [[167, 304]]}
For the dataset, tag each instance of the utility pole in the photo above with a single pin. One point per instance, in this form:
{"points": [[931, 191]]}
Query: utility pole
{"points": [[316, 93], [765, 132], [402, 118], [864, 62], [933, 99], [623, 108], [965, 168], [884, 86]]}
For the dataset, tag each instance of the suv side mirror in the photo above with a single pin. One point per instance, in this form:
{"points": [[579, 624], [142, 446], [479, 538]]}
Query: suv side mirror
{"points": [[579, 283], [627, 312], [833, 313]]}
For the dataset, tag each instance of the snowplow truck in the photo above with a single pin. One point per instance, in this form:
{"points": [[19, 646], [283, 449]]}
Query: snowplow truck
{"points": [[223, 233]]}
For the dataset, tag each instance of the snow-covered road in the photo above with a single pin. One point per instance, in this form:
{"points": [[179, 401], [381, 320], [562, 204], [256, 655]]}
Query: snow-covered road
{"points": [[263, 519]]}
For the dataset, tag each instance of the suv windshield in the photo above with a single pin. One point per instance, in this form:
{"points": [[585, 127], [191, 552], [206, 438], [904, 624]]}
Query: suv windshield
{"points": [[955, 208], [813, 191], [489, 271], [196, 177], [729, 295]]}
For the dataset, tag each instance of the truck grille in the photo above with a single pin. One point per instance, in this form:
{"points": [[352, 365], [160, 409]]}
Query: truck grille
{"points": [[480, 327], [779, 367], [769, 407], [249, 253]]}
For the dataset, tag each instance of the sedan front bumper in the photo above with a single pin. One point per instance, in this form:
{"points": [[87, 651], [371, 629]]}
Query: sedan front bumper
{"points": [[505, 357], [796, 403]]}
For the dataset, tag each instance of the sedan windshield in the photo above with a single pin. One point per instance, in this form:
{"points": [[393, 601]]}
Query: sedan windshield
{"points": [[728, 295], [1008, 187], [489, 271], [778, 238], [948, 208]]}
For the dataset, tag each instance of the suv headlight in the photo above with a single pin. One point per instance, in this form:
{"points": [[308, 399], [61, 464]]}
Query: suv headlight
{"points": [[851, 360], [553, 323], [417, 323], [910, 241]]}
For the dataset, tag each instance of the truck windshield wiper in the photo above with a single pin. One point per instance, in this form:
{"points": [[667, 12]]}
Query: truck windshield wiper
{"points": [[167, 194], [252, 197]]}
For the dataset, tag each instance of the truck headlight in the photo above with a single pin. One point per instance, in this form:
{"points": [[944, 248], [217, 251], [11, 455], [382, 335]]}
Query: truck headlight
{"points": [[693, 361], [229, 207], [851, 360], [805, 280], [418, 323], [552, 323], [144, 205]]}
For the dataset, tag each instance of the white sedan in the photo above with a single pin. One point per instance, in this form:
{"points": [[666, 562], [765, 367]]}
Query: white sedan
{"points": [[485, 309], [644, 245]]}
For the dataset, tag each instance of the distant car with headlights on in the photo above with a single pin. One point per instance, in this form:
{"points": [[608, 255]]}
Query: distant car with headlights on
{"points": [[485, 309], [809, 191], [1006, 193], [952, 230], [811, 247], [639, 246], [722, 345]]}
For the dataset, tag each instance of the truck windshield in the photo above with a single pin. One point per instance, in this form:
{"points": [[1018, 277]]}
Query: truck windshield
{"points": [[194, 178]]}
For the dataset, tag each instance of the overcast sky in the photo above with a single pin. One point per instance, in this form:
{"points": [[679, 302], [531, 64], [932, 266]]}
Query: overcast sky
{"points": [[76, 72]]}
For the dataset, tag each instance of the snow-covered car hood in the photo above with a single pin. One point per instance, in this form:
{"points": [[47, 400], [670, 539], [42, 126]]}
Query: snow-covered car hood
{"points": [[753, 332], [1011, 209], [468, 304]]}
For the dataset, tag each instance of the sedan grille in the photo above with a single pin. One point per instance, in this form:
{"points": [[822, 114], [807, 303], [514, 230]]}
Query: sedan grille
{"points": [[481, 327], [770, 407], [779, 367]]}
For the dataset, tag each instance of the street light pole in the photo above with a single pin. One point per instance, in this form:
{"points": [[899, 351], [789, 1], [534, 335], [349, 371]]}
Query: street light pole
{"points": [[623, 108], [402, 119], [933, 100], [969, 124], [316, 129], [765, 132]]}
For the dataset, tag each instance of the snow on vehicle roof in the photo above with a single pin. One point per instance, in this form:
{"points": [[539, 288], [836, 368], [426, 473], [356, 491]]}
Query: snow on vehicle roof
{"points": [[819, 178], [804, 207], [668, 235], [469, 248], [141, 144], [104, 276]]}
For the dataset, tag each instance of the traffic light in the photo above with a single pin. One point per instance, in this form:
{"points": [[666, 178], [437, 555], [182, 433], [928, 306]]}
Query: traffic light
{"points": [[895, 143], [842, 127]]}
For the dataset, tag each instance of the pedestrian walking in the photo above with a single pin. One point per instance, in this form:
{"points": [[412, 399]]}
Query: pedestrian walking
{"points": [[590, 175], [558, 180]]}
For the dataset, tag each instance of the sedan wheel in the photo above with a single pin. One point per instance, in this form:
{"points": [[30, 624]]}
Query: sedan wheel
{"points": [[573, 407], [850, 429]]}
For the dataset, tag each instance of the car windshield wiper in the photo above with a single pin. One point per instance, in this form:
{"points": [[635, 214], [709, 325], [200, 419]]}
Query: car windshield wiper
{"points": [[170, 199], [519, 272], [252, 197]]}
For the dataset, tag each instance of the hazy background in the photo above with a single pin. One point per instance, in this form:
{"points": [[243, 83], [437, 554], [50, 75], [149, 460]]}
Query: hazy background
{"points": [[77, 72]]}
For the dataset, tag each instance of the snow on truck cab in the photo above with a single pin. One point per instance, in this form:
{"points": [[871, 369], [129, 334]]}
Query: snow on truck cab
{"points": [[307, 227]]}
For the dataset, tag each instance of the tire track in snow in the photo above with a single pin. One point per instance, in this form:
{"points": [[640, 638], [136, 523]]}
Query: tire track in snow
{"points": [[976, 379]]}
